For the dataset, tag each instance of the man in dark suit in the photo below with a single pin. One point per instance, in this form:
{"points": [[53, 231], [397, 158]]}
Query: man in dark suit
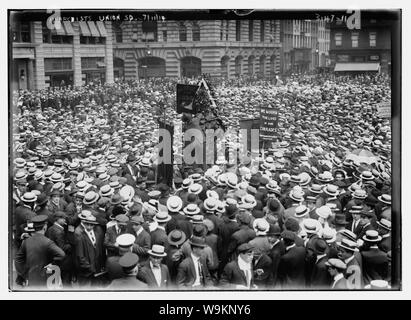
{"points": [[384, 229], [262, 266], [154, 273], [243, 235], [292, 263], [129, 281], [375, 261], [23, 213], [89, 256], [276, 251], [320, 278], [192, 271], [239, 273], [159, 235], [143, 240], [113, 232], [35, 253], [130, 170], [124, 244], [355, 224], [366, 225], [178, 221], [353, 273], [225, 231], [58, 233], [336, 269]]}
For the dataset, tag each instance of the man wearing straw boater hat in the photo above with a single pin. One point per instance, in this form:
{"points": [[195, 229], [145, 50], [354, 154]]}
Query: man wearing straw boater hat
{"points": [[154, 273]]}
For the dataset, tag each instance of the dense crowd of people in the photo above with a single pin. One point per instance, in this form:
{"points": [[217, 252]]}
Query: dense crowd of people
{"points": [[311, 211]]}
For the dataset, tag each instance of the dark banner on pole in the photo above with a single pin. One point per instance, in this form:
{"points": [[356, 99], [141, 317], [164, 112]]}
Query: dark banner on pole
{"points": [[268, 122], [185, 98]]}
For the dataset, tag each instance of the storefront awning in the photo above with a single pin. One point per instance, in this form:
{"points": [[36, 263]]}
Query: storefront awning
{"points": [[69, 28], [85, 31], [370, 66], [93, 29], [101, 28]]}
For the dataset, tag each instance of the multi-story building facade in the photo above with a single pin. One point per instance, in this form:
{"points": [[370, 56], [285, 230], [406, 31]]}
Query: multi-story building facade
{"points": [[305, 45], [221, 48], [73, 54], [80, 52], [356, 48]]}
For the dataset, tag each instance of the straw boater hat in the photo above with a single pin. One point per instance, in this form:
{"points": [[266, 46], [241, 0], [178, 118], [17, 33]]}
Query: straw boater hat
{"points": [[324, 212], [174, 204], [311, 226], [347, 245], [378, 285], [329, 235], [195, 188], [297, 195], [191, 209], [248, 202], [210, 204], [29, 197], [157, 251], [331, 190], [385, 198], [261, 226], [360, 194], [384, 223], [87, 217], [372, 236], [301, 211]]}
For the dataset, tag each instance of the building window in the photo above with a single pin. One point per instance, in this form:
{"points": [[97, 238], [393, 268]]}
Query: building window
{"points": [[373, 39], [21, 32], [149, 31], [250, 30], [134, 36], [196, 32], [354, 39], [165, 35], [91, 63], [338, 39], [57, 64], [91, 40], [227, 29], [182, 30], [238, 30], [118, 32], [262, 31]]}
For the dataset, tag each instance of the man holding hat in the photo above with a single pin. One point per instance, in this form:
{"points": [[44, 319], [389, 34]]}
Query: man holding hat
{"points": [[192, 271], [129, 281], [35, 253], [154, 273]]}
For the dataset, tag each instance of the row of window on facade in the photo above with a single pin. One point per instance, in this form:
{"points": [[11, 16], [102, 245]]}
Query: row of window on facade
{"points": [[372, 36], [150, 32]]}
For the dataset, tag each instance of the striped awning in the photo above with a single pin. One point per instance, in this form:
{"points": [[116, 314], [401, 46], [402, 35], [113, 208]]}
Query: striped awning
{"points": [[101, 28], [367, 66], [69, 28], [93, 29], [84, 29]]}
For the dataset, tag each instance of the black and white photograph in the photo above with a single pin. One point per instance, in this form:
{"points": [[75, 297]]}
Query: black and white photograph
{"points": [[204, 150]]}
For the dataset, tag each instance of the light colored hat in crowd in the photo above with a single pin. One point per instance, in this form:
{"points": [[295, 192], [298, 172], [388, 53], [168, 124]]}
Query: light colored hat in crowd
{"points": [[301, 211], [324, 212], [195, 188], [385, 198], [191, 209], [261, 226], [174, 204]]}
